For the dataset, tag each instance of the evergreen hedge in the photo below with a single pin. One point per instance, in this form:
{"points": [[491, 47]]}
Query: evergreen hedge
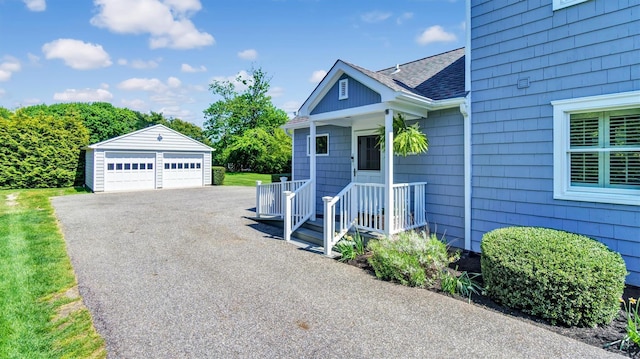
{"points": [[563, 277], [218, 175], [40, 151]]}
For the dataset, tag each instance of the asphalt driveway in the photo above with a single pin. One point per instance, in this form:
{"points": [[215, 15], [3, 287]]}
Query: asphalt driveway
{"points": [[182, 274]]}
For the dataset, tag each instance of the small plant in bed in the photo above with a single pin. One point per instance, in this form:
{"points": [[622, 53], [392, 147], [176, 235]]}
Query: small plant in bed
{"points": [[464, 284], [350, 247], [411, 258]]}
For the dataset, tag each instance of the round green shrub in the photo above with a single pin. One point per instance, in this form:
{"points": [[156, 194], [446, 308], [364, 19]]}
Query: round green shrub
{"points": [[218, 175], [563, 277]]}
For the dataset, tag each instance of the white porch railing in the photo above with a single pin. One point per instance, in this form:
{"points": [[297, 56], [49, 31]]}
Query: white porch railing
{"points": [[409, 205], [269, 197], [361, 205], [298, 208]]}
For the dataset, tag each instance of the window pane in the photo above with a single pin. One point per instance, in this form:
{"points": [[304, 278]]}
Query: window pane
{"points": [[118, 166], [197, 165], [584, 169], [143, 166], [127, 166], [134, 166], [322, 145], [368, 153], [166, 166], [624, 169], [179, 166], [149, 166], [173, 166], [110, 167], [584, 131], [624, 130]]}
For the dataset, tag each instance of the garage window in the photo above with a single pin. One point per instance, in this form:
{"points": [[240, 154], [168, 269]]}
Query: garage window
{"points": [[110, 167], [174, 166], [134, 166], [119, 166], [197, 165], [143, 166], [149, 166]]}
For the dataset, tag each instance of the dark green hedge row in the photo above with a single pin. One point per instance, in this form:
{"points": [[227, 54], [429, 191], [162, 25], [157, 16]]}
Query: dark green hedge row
{"points": [[218, 175], [562, 277], [275, 178], [40, 151]]}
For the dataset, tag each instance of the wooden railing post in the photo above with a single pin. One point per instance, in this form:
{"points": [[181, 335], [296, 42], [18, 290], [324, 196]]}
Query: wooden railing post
{"points": [[328, 225], [286, 198], [258, 183]]}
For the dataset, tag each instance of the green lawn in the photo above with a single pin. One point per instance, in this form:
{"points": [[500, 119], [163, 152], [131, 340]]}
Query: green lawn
{"points": [[41, 314], [245, 178]]}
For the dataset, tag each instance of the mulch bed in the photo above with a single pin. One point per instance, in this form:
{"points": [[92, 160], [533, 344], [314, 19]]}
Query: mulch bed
{"points": [[599, 336]]}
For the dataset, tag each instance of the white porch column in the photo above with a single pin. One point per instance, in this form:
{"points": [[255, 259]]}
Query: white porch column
{"points": [[312, 167], [388, 171]]}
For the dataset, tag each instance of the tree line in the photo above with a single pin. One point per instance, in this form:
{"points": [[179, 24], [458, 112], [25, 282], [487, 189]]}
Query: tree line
{"points": [[42, 145]]}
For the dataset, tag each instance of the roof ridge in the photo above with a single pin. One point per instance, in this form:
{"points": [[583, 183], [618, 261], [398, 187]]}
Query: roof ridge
{"points": [[422, 59]]}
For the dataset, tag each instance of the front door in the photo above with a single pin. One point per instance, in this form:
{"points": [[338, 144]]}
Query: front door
{"points": [[368, 160]]}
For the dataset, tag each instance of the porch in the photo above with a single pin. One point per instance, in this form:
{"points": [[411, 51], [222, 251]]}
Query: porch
{"points": [[359, 206]]}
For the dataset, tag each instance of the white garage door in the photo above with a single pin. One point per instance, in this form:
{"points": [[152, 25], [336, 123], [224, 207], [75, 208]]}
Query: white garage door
{"points": [[129, 171], [182, 170]]}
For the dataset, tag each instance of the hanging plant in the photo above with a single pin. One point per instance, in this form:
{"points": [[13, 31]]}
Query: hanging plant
{"points": [[407, 140]]}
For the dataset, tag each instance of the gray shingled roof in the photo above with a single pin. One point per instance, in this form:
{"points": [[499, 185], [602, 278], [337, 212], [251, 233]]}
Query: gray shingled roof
{"points": [[436, 77]]}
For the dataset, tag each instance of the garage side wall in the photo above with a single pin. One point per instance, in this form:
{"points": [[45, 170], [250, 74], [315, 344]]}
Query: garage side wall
{"points": [[89, 169], [207, 169], [98, 168]]}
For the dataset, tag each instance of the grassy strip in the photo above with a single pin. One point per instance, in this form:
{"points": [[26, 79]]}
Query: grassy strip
{"points": [[41, 314], [245, 178]]}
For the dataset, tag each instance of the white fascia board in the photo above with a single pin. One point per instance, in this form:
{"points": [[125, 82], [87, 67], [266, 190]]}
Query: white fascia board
{"points": [[350, 112], [429, 104]]}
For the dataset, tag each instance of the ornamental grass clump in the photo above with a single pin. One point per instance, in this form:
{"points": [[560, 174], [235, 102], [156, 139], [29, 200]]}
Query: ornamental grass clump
{"points": [[411, 258], [559, 276]]}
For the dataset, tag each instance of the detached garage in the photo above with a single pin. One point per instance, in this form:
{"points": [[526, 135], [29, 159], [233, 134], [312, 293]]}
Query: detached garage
{"points": [[151, 158]]}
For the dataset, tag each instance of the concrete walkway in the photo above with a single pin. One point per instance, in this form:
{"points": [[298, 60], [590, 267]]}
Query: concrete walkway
{"points": [[181, 274]]}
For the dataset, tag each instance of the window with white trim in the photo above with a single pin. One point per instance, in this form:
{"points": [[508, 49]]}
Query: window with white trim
{"points": [[597, 149], [343, 89], [322, 145]]}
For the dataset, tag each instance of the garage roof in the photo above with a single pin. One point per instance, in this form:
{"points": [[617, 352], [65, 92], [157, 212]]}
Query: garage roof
{"points": [[157, 137]]}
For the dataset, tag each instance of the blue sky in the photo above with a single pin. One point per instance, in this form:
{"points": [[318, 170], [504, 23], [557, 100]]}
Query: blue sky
{"points": [[161, 55]]}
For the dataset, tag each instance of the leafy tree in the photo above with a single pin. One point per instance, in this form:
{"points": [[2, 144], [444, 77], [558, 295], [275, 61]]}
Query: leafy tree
{"points": [[4, 113], [102, 119], [244, 126], [188, 129]]}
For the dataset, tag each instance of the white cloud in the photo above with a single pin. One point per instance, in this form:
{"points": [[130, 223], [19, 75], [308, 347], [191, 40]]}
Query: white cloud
{"points": [[402, 18], [290, 107], [175, 112], [140, 64], [236, 80], [435, 34], [77, 54], [276, 92], [165, 21], [36, 5], [375, 16], [189, 68], [136, 104], [317, 76], [142, 84], [174, 82], [85, 95], [249, 54], [8, 66], [33, 59]]}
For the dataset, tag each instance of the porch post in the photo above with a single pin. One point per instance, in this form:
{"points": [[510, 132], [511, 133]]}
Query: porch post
{"points": [[388, 171], [312, 167]]}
